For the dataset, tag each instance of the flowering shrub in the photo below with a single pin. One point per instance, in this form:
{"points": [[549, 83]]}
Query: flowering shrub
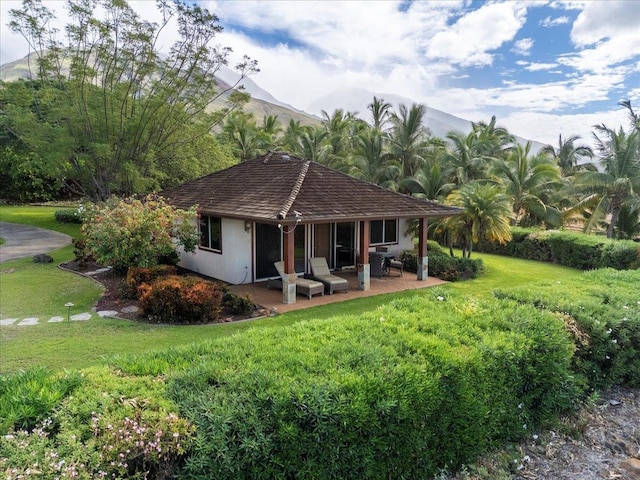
{"points": [[136, 276], [134, 233], [176, 299], [133, 447], [116, 426]]}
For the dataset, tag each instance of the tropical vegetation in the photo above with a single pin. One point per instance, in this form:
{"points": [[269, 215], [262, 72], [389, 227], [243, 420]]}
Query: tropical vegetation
{"points": [[138, 122]]}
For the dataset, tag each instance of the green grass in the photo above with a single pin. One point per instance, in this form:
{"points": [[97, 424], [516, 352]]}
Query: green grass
{"points": [[38, 216], [42, 290]]}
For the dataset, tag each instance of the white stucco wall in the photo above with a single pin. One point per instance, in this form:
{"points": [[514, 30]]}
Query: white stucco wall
{"points": [[233, 265]]}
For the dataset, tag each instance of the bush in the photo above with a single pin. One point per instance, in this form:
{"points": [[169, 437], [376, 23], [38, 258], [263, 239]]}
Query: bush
{"points": [[577, 250], [134, 233], [80, 253], [602, 313], [400, 392], [28, 397], [442, 265], [68, 216], [114, 427], [136, 276], [238, 304], [181, 299]]}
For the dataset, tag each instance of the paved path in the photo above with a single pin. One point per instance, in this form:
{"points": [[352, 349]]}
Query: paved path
{"points": [[26, 241]]}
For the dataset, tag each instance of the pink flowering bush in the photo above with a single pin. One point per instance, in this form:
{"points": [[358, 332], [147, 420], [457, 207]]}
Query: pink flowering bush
{"points": [[115, 426], [138, 233]]}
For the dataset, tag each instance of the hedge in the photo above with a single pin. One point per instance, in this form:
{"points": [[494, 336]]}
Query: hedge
{"points": [[401, 392], [602, 313], [442, 265], [577, 250]]}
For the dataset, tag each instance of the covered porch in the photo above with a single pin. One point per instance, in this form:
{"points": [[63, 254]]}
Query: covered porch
{"points": [[271, 299]]}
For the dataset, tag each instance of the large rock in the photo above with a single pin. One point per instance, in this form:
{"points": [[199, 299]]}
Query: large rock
{"points": [[42, 258]]}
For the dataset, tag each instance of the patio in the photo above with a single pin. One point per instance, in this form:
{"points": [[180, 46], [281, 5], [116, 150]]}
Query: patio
{"points": [[271, 299]]}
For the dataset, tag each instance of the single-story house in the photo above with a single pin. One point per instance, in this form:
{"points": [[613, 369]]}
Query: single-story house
{"points": [[278, 207]]}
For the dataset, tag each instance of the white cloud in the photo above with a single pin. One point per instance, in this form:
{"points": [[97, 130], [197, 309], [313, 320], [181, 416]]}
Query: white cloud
{"points": [[523, 46], [554, 22], [536, 67], [545, 127], [306, 49], [469, 41], [606, 20]]}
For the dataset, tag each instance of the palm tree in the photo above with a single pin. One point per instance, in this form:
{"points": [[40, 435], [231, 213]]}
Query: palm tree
{"points": [[568, 155], [370, 162], [312, 144], [466, 157], [618, 184], [485, 216], [493, 141], [271, 130], [407, 136], [292, 135], [245, 137], [527, 180], [380, 113], [432, 180]]}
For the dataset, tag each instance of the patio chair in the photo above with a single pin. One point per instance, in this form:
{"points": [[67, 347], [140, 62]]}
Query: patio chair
{"points": [[390, 262], [320, 272], [377, 264], [303, 285]]}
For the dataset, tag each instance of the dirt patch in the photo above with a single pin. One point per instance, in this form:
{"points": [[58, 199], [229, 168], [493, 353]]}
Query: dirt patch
{"points": [[601, 442]]}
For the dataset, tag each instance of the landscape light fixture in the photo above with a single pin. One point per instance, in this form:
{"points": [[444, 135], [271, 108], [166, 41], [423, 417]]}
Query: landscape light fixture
{"points": [[68, 305], [247, 226]]}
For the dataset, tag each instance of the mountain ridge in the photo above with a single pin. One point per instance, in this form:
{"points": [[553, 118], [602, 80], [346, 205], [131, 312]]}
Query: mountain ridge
{"points": [[263, 103]]}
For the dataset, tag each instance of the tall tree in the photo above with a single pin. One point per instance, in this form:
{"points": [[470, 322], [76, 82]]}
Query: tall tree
{"points": [[617, 185], [466, 158], [370, 162], [569, 156], [107, 104], [407, 136], [527, 180], [493, 141], [380, 113], [485, 216]]}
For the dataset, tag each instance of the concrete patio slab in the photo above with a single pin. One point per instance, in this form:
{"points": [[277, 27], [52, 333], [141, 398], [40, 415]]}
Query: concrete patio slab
{"points": [[271, 299]]}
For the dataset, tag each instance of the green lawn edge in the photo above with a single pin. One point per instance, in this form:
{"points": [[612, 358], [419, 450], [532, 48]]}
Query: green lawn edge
{"points": [[76, 345]]}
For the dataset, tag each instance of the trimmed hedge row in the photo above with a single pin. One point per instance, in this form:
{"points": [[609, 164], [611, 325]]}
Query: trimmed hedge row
{"points": [[401, 392], [577, 250], [602, 313], [442, 265]]}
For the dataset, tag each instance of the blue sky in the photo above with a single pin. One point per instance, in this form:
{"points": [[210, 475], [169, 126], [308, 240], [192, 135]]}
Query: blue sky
{"points": [[542, 67]]}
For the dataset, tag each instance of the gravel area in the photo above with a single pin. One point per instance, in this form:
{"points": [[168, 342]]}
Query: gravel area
{"points": [[605, 444]]}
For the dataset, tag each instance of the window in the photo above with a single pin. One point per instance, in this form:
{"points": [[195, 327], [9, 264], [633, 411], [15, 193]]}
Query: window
{"points": [[211, 233], [384, 232]]}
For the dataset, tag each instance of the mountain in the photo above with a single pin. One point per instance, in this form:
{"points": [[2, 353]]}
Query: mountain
{"points": [[263, 103], [356, 100]]}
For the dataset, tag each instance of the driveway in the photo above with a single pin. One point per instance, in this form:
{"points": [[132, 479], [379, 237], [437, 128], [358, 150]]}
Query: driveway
{"points": [[26, 241]]}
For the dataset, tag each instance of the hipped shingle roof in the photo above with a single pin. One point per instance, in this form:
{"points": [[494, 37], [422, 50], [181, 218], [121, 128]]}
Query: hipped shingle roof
{"points": [[273, 188]]}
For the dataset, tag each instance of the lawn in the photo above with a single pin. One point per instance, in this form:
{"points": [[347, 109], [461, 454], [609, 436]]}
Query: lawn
{"points": [[42, 290]]}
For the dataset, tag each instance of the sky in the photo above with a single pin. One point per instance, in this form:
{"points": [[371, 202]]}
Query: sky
{"points": [[543, 68]]}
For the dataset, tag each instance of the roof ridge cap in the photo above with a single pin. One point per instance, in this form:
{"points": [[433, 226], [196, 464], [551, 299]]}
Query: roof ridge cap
{"points": [[295, 190]]}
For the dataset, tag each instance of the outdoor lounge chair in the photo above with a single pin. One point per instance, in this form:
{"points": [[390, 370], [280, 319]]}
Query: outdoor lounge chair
{"points": [[304, 286], [320, 272]]}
